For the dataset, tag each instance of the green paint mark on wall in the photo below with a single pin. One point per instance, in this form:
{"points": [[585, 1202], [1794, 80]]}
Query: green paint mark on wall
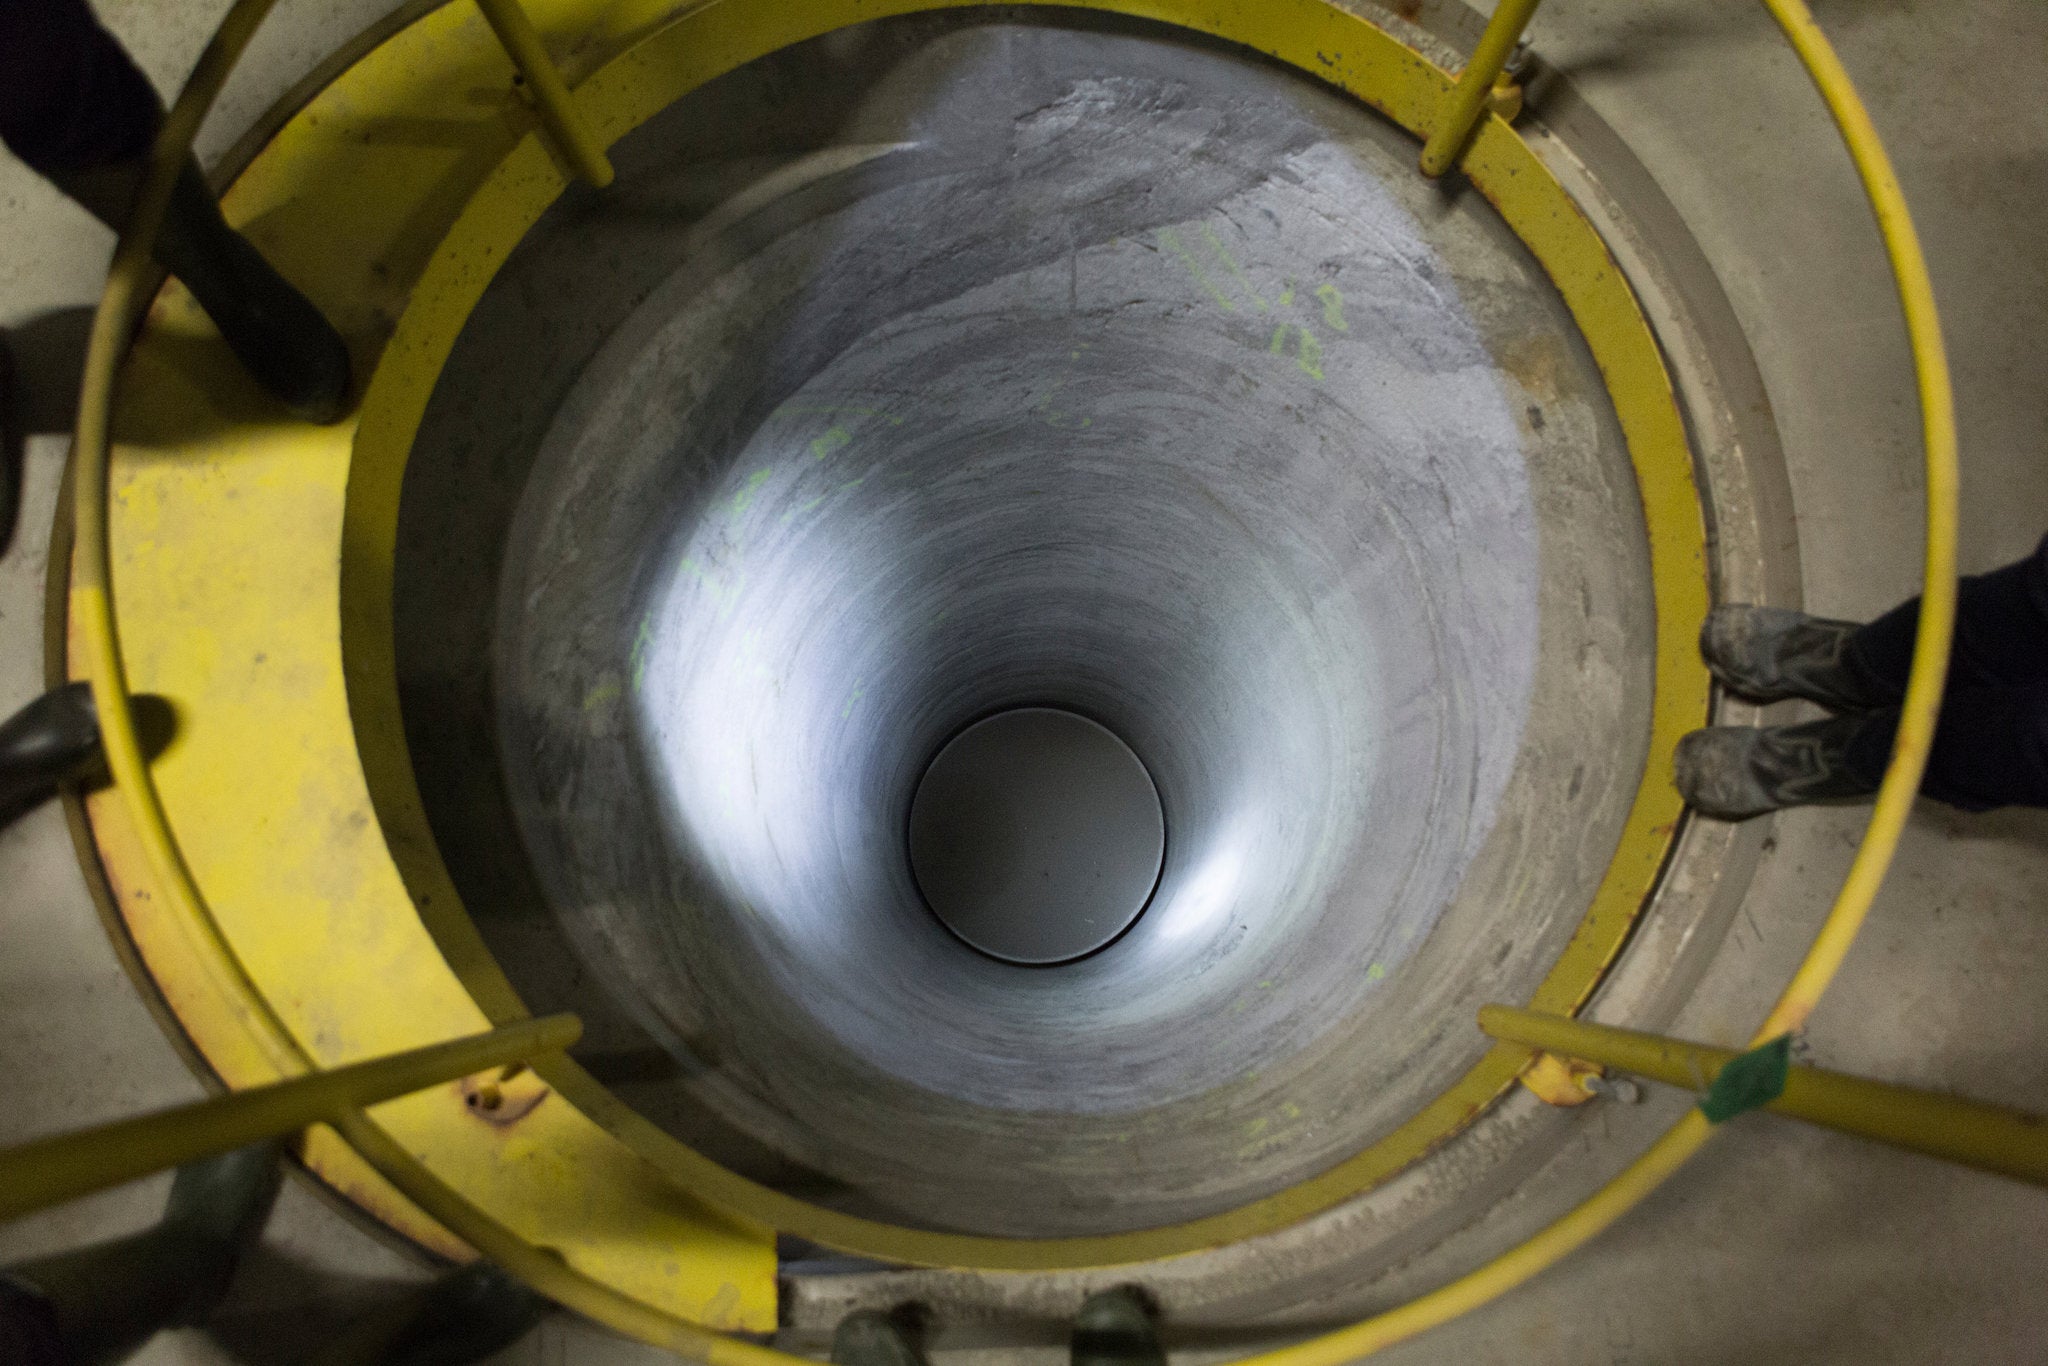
{"points": [[1308, 352], [1375, 972], [1310, 357], [800, 510], [1333, 308], [744, 499], [1170, 239], [837, 439], [1230, 264], [640, 643], [1287, 297], [607, 691], [725, 592], [859, 691]]}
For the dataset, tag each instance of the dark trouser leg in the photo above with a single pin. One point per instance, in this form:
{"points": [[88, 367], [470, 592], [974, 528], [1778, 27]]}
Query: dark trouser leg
{"points": [[105, 1301], [2001, 633], [1990, 750], [70, 98], [74, 107]]}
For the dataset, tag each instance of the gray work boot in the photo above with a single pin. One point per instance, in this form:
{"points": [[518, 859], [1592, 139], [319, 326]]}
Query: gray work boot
{"points": [[872, 1338], [1769, 653], [1117, 1328], [1735, 772]]}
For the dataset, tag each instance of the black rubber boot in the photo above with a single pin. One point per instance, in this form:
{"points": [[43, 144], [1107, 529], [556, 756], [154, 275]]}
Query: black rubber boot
{"points": [[1735, 772], [54, 739], [1117, 1328], [273, 329], [872, 1338], [107, 1300], [1767, 654]]}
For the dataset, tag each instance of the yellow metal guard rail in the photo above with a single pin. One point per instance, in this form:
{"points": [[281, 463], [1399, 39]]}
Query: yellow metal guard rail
{"points": [[120, 307], [1990, 1138], [60, 1168]]}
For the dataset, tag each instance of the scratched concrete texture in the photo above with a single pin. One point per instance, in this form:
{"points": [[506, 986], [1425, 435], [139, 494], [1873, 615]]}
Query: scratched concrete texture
{"points": [[1780, 1244], [1168, 396]]}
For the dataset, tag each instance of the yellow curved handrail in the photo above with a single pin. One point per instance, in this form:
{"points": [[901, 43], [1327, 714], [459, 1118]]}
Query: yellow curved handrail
{"points": [[92, 606]]}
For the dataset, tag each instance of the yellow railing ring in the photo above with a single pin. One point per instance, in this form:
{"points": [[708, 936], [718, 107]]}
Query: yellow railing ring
{"points": [[92, 603]]}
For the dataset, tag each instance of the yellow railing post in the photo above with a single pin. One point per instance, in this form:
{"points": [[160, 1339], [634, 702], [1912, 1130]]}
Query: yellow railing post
{"points": [[1988, 1137], [1467, 100], [51, 1170], [558, 112]]}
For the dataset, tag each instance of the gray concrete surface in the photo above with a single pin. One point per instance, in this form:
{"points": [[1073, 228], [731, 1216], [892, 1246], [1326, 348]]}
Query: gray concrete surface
{"points": [[1780, 1244], [1201, 414]]}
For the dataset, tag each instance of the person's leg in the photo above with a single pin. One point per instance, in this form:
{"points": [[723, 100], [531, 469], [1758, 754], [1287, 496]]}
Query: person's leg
{"points": [[1991, 749], [1735, 772], [105, 1301], [70, 98], [1769, 653], [75, 108], [29, 1335], [2001, 633]]}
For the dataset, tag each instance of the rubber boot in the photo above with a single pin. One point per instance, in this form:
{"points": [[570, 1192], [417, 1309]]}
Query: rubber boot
{"points": [[53, 740], [107, 1300], [1117, 1328], [273, 329], [1767, 654], [1735, 772], [872, 1338]]}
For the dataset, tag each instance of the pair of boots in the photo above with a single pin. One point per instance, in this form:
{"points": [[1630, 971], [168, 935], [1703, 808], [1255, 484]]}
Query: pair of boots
{"points": [[1115, 1328], [1768, 654]]}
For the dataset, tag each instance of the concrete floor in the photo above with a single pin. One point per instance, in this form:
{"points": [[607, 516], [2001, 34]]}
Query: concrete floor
{"points": [[1780, 1244]]}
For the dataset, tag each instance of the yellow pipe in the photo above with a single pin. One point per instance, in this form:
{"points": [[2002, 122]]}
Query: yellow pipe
{"points": [[558, 113], [1988, 1137], [1922, 706], [560, 1282], [66, 1166], [1466, 104]]}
